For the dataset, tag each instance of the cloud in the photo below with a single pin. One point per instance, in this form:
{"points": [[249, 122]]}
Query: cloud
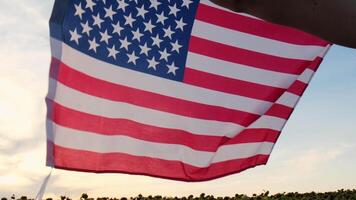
{"points": [[24, 55], [311, 160], [21, 111]]}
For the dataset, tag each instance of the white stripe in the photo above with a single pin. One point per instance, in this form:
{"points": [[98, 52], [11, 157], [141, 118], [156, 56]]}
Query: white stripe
{"points": [[288, 99], [111, 109], [255, 43], [80, 140], [56, 48], [306, 76], [238, 71], [269, 122], [120, 75], [322, 54], [211, 4]]}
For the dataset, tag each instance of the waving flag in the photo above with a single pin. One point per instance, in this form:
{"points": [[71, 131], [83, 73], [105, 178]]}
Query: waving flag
{"points": [[179, 89]]}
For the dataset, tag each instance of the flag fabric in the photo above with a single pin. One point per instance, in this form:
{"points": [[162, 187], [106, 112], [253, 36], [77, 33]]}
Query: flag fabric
{"points": [[178, 89]]}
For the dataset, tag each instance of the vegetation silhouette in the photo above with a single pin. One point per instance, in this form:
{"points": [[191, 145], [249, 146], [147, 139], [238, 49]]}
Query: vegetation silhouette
{"points": [[336, 195]]}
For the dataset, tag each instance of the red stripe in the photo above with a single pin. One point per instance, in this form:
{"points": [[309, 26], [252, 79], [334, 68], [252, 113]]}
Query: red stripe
{"points": [[314, 65], [107, 126], [256, 27], [232, 86], [297, 88], [263, 135], [78, 160], [246, 57], [281, 111], [115, 92], [55, 64]]}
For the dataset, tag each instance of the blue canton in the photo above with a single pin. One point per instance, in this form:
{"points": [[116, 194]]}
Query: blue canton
{"points": [[147, 36]]}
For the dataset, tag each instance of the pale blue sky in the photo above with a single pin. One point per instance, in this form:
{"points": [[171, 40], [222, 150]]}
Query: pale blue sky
{"points": [[317, 149]]}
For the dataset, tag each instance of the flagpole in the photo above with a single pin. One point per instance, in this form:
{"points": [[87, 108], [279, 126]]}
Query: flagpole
{"points": [[42, 190]]}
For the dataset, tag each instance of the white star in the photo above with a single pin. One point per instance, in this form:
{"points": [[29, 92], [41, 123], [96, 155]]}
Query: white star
{"points": [[79, 10], [105, 37], [86, 28], [141, 12], [164, 55], [117, 28], [93, 45], [122, 5], [74, 36], [161, 18], [90, 4], [186, 3], [144, 49], [172, 69], [129, 20], [132, 58], [97, 20], [137, 35], [149, 26], [168, 32], [156, 41], [155, 4], [125, 44], [173, 10], [180, 24], [109, 12], [112, 52], [152, 63], [176, 46]]}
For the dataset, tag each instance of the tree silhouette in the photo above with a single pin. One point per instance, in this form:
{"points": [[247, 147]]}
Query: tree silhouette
{"points": [[337, 195]]}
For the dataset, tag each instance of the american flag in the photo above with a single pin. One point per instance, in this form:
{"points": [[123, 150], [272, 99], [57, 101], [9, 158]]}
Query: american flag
{"points": [[178, 89]]}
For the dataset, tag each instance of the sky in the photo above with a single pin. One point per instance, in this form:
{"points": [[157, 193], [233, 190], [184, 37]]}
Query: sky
{"points": [[316, 151]]}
